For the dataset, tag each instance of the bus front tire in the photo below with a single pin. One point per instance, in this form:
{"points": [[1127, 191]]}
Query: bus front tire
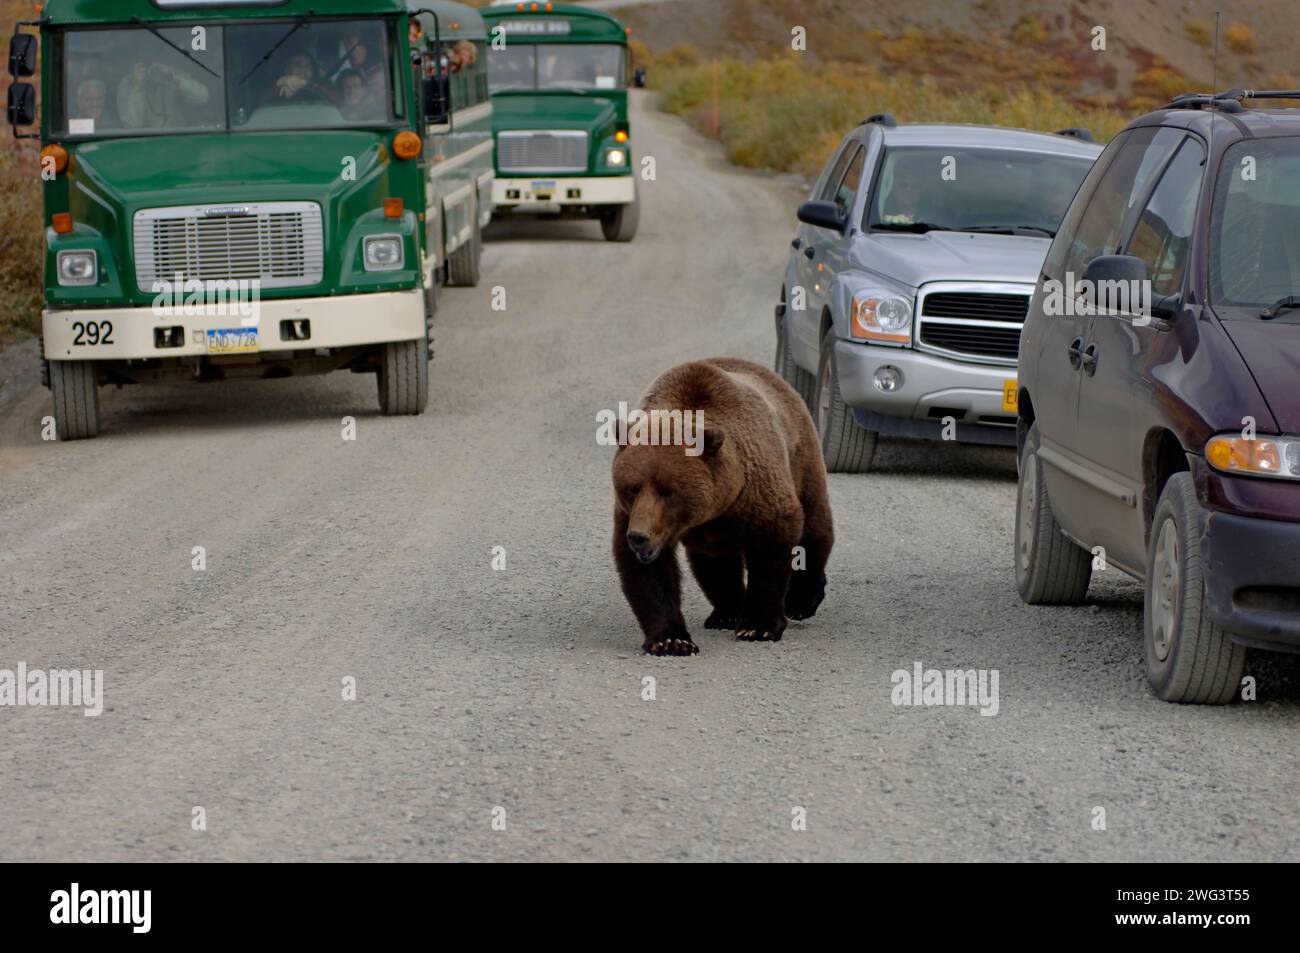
{"points": [[463, 264], [620, 221], [76, 399], [404, 378]]}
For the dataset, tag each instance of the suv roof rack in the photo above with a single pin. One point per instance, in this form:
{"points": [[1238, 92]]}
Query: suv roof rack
{"points": [[884, 119], [1229, 100], [1076, 132]]}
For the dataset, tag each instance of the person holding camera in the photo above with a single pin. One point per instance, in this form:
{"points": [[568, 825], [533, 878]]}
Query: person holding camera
{"points": [[155, 96]]}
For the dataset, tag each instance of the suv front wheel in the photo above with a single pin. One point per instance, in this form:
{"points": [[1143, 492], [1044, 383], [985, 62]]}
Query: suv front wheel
{"points": [[846, 447], [1188, 658]]}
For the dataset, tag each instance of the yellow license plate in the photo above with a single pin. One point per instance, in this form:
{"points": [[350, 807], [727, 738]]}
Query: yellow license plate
{"points": [[232, 340], [1010, 397]]}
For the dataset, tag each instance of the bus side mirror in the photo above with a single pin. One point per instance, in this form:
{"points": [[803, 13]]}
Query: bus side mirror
{"points": [[638, 77], [437, 100], [22, 55], [22, 105]]}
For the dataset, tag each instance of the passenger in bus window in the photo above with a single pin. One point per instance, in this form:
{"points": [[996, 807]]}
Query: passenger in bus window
{"points": [[92, 100], [301, 83], [356, 100], [156, 96]]}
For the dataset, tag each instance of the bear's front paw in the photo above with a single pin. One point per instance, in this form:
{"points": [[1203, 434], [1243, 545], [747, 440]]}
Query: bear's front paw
{"points": [[679, 644], [723, 619], [761, 632]]}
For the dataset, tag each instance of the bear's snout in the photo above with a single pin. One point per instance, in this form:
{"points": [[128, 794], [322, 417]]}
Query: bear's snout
{"points": [[640, 544]]}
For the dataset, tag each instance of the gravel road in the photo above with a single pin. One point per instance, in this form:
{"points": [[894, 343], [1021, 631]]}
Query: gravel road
{"points": [[517, 693]]}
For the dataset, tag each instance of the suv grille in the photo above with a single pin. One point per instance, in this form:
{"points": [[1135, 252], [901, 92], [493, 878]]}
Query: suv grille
{"points": [[280, 244], [550, 151], [975, 323]]}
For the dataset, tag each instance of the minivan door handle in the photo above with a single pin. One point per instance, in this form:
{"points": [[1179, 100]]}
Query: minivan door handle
{"points": [[809, 252], [796, 243], [1089, 359], [1076, 353]]}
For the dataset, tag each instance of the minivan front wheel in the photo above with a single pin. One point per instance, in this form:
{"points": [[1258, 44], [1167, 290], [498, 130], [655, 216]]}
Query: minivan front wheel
{"points": [[846, 447], [1051, 569], [1188, 658]]}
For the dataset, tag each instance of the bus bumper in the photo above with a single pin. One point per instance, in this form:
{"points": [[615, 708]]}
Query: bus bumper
{"points": [[540, 192], [285, 324]]}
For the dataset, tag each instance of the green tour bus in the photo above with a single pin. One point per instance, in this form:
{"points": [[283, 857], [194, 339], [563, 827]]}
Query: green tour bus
{"points": [[558, 75], [252, 188]]}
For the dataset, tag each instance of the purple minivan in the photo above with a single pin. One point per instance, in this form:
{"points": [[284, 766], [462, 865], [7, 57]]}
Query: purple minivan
{"points": [[1159, 389]]}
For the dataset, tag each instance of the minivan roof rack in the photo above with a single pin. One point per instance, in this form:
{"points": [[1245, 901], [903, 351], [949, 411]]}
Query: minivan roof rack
{"points": [[1076, 132], [1229, 100], [884, 119]]}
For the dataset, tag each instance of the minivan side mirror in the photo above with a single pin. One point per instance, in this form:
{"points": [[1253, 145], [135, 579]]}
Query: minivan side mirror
{"points": [[1126, 268], [22, 105], [1129, 276], [821, 215], [22, 55]]}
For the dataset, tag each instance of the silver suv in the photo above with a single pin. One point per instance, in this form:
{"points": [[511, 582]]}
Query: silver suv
{"points": [[911, 275]]}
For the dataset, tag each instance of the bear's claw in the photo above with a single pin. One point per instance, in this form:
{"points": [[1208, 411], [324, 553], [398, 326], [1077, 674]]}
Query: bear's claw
{"points": [[760, 635], [671, 646], [722, 620]]}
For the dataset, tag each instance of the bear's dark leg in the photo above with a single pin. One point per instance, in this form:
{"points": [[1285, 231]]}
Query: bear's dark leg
{"points": [[769, 576], [808, 585], [723, 580], [654, 592]]}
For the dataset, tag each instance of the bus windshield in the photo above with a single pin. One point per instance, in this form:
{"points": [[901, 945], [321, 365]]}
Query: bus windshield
{"points": [[556, 66], [264, 75]]}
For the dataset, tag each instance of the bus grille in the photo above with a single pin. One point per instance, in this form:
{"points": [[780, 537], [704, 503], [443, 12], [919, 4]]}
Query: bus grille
{"points": [[280, 244], [554, 151], [972, 323]]}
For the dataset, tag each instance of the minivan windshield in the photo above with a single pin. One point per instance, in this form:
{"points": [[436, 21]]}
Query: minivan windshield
{"points": [[572, 66], [200, 78], [1255, 227], [924, 188]]}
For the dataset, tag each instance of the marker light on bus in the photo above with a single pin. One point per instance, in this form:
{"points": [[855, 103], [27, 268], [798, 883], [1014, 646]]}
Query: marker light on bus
{"points": [[61, 222], [393, 208], [407, 145], [384, 253], [620, 136], [58, 154]]}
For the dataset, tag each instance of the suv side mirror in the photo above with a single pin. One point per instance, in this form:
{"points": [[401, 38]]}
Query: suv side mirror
{"points": [[437, 99], [22, 105], [22, 55], [821, 215]]}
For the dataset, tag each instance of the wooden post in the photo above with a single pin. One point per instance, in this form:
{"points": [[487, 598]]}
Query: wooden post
{"points": [[717, 126]]}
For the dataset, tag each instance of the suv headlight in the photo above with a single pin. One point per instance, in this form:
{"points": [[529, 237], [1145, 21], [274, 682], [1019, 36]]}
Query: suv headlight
{"points": [[881, 316], [1277, 457], [384, 253], [616, 158], [78, 267]]}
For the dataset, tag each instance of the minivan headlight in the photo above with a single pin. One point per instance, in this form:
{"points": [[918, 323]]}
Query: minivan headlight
{"points": [[78, 267], [1277, 457], [879, 316], [384, 253]]}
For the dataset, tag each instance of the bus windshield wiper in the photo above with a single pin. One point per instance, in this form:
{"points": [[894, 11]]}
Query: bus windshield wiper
{"points": [[179, 49], [1290, 302], [919, 228], [298, 25]]}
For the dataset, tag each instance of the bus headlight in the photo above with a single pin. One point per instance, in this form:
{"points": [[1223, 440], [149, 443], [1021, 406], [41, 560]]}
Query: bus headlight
{"points": [[384, 253], [616, 158], [78, 268]]}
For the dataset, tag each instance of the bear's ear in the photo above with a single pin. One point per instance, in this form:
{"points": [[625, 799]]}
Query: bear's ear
{"points": [[714, 438]]}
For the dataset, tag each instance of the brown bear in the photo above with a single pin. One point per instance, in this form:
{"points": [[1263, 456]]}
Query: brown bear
{"points": [[750, 490]]}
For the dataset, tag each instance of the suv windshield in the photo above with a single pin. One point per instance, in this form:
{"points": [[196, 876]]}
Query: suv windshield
{"points": [[1255, 226], [963, 189], [556, 66], [140, 81]]}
